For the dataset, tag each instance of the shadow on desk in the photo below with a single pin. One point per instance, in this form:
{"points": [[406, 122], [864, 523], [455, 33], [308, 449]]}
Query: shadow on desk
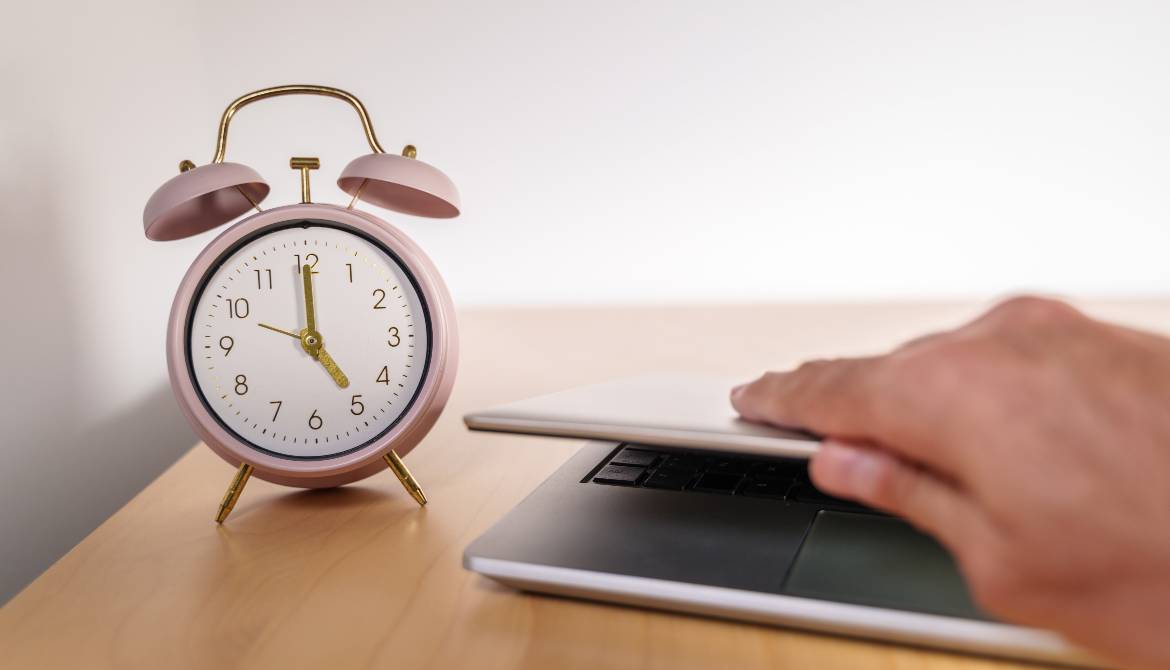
{"points": [[82, 474], [342, 497]]}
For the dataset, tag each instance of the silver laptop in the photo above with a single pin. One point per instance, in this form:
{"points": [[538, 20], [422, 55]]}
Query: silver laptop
{"points": [[679, 505]]}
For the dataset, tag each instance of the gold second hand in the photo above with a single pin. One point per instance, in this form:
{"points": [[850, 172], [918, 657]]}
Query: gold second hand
{"points": [[279, 330]]}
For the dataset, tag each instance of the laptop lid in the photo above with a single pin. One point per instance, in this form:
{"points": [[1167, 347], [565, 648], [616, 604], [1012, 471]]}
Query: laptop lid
{"points": [[675, 410]]}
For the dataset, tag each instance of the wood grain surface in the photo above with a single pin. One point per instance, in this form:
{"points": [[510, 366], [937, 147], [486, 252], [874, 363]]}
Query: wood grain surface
{"points": [[360, 577]]}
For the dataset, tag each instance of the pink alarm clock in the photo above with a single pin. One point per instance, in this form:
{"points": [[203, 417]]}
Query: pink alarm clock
{"points": [[310, 344]]}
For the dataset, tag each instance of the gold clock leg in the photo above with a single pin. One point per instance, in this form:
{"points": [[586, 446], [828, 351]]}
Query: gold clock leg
{"points": [[404, 476], [233, 492]]}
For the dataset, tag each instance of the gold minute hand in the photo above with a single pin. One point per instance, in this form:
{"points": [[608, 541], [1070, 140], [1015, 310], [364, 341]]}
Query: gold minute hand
{"points": [[310, 315], [331, 368]]}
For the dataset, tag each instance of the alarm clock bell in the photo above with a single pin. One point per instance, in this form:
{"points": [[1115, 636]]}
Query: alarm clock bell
{"points": [[203, 197]]}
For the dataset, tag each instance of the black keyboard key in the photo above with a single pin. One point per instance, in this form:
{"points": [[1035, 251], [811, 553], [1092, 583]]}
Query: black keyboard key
{"points": [[765, 488], [807, 493], [680, 462], [639, 457], [676, 480], [621, 475], [729, 466], [776, 470], [718, 482], [708, 472]]}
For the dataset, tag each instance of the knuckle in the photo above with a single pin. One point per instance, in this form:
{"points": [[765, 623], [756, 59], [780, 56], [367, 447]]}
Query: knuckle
{"points": [[941, 369], [768, 387], [810, 375], [765, 396], [769, 378], [886, 384], [811, 368], [1031, 309], [750, 395], [916, 371]]}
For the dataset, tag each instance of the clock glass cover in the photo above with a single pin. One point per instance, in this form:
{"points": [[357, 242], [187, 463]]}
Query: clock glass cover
{"points": [[246, 343]]}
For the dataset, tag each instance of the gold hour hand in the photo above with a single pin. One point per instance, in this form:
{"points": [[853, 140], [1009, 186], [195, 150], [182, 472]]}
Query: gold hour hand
{"points": [[331, 368]]}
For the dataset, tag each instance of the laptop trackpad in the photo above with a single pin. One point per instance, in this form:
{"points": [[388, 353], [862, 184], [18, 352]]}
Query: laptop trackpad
{"points": [[879, 561]]}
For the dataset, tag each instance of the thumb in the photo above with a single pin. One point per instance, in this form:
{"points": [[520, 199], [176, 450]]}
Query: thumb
{"points": [[884, 481]]}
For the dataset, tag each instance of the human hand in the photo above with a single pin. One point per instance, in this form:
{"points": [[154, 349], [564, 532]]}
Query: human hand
{"points": [[1033, 442]]}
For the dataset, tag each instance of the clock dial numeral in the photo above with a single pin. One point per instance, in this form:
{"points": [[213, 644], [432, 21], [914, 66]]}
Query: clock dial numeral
{"points": [[315, 421], [384, 375], [395, 339], [310, 260], [226, 343], [356, 407], [350, 267], [241, 383], [278, 403], [260, 275], [380, 295], [238, 308]]}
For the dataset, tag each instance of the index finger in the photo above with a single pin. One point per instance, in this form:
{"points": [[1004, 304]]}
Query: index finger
{"points": [[830, 397], [855, 399]]}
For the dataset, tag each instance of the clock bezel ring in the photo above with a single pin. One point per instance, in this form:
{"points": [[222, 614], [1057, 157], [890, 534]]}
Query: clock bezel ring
{"points": [[366, 460]]}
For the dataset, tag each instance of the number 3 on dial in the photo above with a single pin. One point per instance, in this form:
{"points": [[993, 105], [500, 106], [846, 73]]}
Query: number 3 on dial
{"points": [[394, 340]]}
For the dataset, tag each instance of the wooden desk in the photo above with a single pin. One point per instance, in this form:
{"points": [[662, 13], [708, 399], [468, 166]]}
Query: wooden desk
{"points": [[361, 577]]}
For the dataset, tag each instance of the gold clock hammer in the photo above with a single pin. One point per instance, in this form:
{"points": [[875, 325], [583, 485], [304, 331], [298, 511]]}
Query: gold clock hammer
{"points": [[304, 164]]}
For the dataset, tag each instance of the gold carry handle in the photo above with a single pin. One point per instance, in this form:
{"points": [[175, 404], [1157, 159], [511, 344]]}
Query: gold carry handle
{"points": [[292, 89]]}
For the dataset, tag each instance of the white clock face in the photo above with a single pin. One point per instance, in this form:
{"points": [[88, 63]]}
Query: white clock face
{"points": [[298, 394]]}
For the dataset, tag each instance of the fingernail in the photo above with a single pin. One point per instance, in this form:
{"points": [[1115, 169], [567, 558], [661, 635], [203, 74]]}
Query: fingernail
{"points": [[848, 467], [737, 390]]}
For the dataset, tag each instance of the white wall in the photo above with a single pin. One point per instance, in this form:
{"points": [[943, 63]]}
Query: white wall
{"points": [[606, 151]]}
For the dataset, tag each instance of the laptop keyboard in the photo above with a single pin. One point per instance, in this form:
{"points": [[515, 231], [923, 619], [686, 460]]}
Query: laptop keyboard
{"points": [[641, 466]]}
